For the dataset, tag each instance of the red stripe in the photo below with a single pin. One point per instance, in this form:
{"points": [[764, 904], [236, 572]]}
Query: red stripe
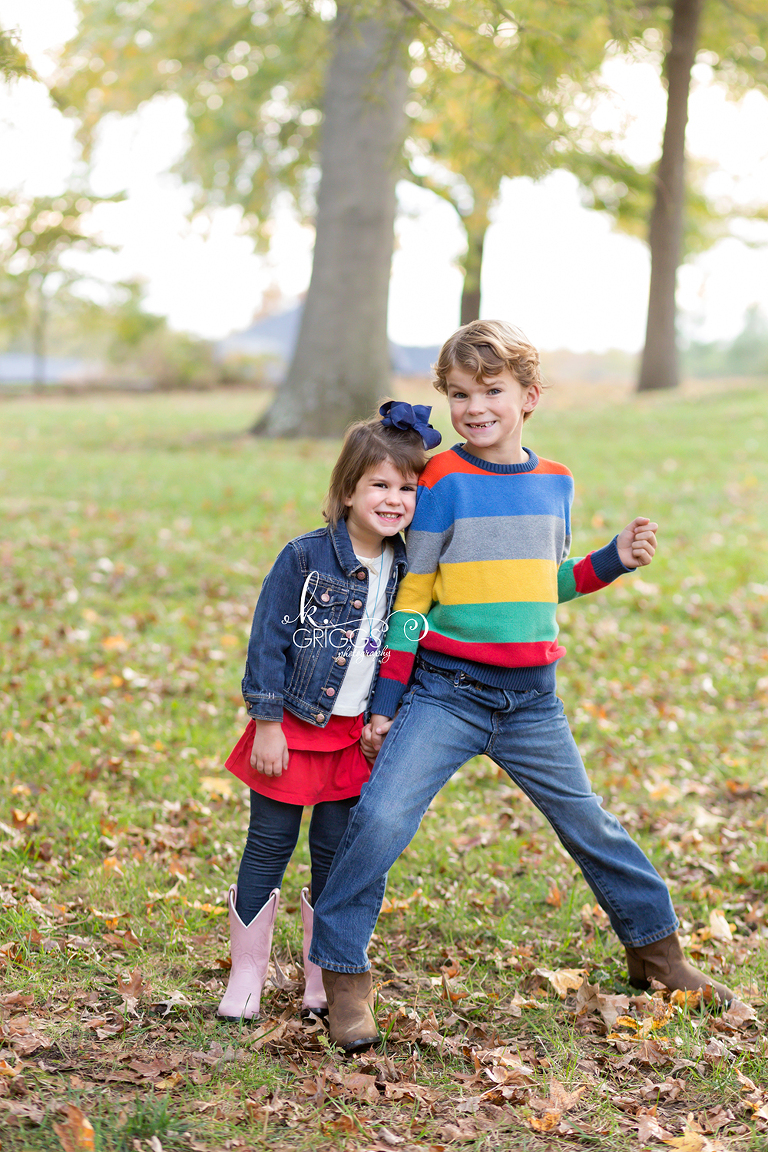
{"points": [[444, 464], [497, 655], [447, 463], [397, 665], [586, 578], [551, 467]]}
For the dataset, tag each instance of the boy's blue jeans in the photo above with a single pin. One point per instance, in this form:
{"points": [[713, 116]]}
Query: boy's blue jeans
{"points": [[443, 722]]}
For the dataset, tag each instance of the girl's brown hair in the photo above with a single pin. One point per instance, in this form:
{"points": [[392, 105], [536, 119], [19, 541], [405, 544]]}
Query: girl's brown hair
{"points": [[366, 445], [486, 348]]}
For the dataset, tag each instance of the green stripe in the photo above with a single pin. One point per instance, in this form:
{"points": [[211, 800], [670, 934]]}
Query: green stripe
{"points": [[404, 631], [566, 582], [495, 623]]}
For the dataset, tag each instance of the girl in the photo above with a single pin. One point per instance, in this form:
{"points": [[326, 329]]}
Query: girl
{"points": [[314, 652]]}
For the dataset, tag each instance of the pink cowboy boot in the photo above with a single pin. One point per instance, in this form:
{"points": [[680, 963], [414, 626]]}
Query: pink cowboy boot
{"points": [[250, 945], [314, 993]]}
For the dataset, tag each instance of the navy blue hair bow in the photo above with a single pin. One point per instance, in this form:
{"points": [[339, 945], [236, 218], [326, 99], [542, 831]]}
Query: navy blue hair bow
{"points": [[398, 414]]}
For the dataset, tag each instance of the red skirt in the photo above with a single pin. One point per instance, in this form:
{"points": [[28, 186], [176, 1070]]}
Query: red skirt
{"points": [[324, 763]]}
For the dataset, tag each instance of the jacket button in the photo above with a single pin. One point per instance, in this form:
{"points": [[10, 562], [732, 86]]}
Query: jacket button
{"points": [[349, 635], [340, 661], [357, 603], [320, 717], [361, 575], [325, 597], [330, 691]]}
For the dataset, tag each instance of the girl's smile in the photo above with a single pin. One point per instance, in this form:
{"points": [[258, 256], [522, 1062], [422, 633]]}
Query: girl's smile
{"points": [[382, 503]]}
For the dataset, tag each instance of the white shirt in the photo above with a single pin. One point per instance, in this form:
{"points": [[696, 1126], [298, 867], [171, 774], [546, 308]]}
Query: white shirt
{"points": [[356, 687]]}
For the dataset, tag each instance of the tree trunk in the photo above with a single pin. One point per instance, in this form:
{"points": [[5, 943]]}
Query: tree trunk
{"points": [[476, 225], [341, 367], [39, 324], [659, 367]]}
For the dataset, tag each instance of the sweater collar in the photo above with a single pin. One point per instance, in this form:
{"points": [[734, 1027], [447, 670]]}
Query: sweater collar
{"points": [[528, 465]]}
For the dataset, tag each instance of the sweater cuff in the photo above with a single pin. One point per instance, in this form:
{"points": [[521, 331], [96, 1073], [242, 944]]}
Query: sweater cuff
{"points": [[607, 564], [387, 697]]}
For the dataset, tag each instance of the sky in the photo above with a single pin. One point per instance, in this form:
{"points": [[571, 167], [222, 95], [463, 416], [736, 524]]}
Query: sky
{"points": [[553, 267]]}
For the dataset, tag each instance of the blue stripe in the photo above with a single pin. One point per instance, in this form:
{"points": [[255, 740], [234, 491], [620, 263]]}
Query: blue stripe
{"points": [[459, 496]]}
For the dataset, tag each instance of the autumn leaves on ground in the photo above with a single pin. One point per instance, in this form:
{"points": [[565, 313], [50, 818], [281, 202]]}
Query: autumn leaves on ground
{"points": [[135, 534]]}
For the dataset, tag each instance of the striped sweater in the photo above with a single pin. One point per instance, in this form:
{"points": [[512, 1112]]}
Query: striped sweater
{"points": [[487, 566]]}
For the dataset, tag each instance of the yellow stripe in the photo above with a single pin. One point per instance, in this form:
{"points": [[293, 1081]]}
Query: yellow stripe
{"points": [[496, 582], [415, 593]]}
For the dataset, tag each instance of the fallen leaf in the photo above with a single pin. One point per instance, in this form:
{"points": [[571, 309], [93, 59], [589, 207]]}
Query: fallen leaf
{"points": [[563, 980], [76, 1132], [553, 897], [739, 1014], [648, 1127], [719, 929], [132, 990]]}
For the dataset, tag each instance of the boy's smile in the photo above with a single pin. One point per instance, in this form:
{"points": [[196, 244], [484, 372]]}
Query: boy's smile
{"points": [[489, 413]]}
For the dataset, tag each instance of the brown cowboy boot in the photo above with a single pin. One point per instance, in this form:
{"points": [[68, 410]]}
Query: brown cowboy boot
{"points": [[351, 1022], [665, 961]]}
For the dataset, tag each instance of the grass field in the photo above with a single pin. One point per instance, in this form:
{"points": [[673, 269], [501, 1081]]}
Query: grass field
{"points": [[136, 531]]}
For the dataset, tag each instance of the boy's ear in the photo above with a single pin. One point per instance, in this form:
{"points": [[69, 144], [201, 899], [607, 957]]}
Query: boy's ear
{"points": [[532, 397]]}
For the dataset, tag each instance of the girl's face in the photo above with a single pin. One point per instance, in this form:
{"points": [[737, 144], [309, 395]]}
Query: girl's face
{"points": [[382, 504]]}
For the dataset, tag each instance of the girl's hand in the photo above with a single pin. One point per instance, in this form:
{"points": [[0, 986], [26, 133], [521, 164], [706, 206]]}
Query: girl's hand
{"points": [[372, 736], [270, 750], [379, 726], [367, 746]]}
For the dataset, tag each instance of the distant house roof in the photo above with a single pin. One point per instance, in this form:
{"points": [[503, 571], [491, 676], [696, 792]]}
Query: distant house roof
{"points": [[19, 368], [276, 335]]}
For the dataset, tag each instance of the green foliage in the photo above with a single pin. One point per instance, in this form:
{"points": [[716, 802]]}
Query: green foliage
{"points": [[490, 91], [38, 235], [13, 61], [250, 77], [746, 355]]}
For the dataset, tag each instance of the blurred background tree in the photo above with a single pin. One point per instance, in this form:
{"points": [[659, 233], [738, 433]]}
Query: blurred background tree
{"points": [[493, 94], [38, 237], [13, 61], [258, 80]]}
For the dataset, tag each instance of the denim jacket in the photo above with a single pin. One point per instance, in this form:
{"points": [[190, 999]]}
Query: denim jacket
{"points": [[309, 610]]}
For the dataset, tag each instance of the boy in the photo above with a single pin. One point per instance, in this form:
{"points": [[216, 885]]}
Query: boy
{"points": [[487, 553]]}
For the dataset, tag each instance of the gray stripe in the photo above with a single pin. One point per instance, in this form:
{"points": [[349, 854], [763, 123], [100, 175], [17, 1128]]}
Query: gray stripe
{"points": [[506, 538], [424, 549]]}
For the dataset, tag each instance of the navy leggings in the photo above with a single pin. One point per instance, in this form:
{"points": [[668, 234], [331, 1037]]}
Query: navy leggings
{"points": [[272, 836]]}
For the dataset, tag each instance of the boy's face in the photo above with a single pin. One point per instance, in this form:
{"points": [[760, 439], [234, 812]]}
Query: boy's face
{"points": [[489, 413]]}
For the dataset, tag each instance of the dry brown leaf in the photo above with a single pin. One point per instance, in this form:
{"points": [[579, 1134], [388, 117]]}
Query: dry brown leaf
{"points": [[361, 1085], [544, 1123], [563, 980], [747, 1084], [648, 1127], [693, 1142], [553, 897], [719, 928], [450, 992], [132, 989], [76, 1132], [739, 1014], [561, 1099]]}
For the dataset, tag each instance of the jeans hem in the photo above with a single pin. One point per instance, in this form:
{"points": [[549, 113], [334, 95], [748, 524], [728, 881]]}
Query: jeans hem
{"points": [[334, 966], [653, 938]]}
